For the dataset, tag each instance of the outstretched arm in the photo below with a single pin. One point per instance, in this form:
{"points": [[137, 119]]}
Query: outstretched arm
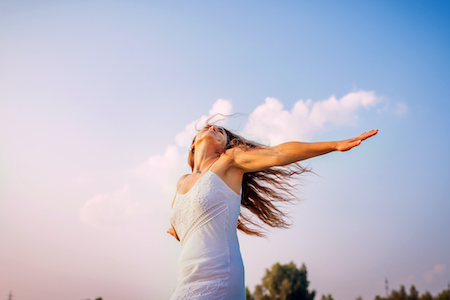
{"points": [[287, 153]]}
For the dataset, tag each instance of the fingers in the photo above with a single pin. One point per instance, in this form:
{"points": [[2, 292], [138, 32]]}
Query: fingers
{"points": [[172, 232], [368, 134], [350, 143]]}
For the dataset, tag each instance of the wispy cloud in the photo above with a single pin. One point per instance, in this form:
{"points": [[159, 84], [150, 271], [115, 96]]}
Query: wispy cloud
{"points": [[269, 123], [396, 108], [184, 138], [401, 109], [111, 209], [161, 171], [437, 270]]}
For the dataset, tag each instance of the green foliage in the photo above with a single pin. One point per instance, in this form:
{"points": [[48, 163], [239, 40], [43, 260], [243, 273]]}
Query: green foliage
{"points": [[400, 295], [284, 282], [248, 295], [444, 295], [426, 296], [414, 295]]}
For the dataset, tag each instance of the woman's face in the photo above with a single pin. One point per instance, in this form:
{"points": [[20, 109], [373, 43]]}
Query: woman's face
{"points": [[216, 133]]}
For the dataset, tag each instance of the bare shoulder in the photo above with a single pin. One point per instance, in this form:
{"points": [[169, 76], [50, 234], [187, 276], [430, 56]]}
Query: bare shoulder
{"points": [[181, 180], [232, 155], [183, 177], [178, 185]]}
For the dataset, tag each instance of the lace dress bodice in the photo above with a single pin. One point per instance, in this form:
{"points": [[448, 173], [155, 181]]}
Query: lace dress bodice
{"points": [[205, 219]]}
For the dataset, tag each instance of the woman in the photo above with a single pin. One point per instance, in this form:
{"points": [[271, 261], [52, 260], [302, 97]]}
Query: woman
{"points": [[227, 172]]}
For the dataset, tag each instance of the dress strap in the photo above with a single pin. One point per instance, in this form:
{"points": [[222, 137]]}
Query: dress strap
{"points": [[213, 164], [182, 182]]}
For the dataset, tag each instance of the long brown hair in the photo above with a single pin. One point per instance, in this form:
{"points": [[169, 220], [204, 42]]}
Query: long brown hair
{"points": [[261, 190]]}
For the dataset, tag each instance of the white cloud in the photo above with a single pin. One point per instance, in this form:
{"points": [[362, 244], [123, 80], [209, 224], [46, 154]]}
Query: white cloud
{"points": [[144, 204], [184, 138], [160, 171], [270, 121], [110, 209], [164, 170], [401, 109], [396, 108], [437, 270]]}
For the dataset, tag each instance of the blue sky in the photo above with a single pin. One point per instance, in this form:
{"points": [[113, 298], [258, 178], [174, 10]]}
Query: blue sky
{"points": [[97, 100]]}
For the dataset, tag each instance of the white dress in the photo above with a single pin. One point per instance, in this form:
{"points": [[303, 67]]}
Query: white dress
{"points": [[205, 219]]}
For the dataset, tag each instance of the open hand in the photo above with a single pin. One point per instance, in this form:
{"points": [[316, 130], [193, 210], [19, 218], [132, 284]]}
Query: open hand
{"points": [[346, 145]]}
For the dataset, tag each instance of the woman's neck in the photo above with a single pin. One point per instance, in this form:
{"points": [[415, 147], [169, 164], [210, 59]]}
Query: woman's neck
{"points": [[204, 157]]}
